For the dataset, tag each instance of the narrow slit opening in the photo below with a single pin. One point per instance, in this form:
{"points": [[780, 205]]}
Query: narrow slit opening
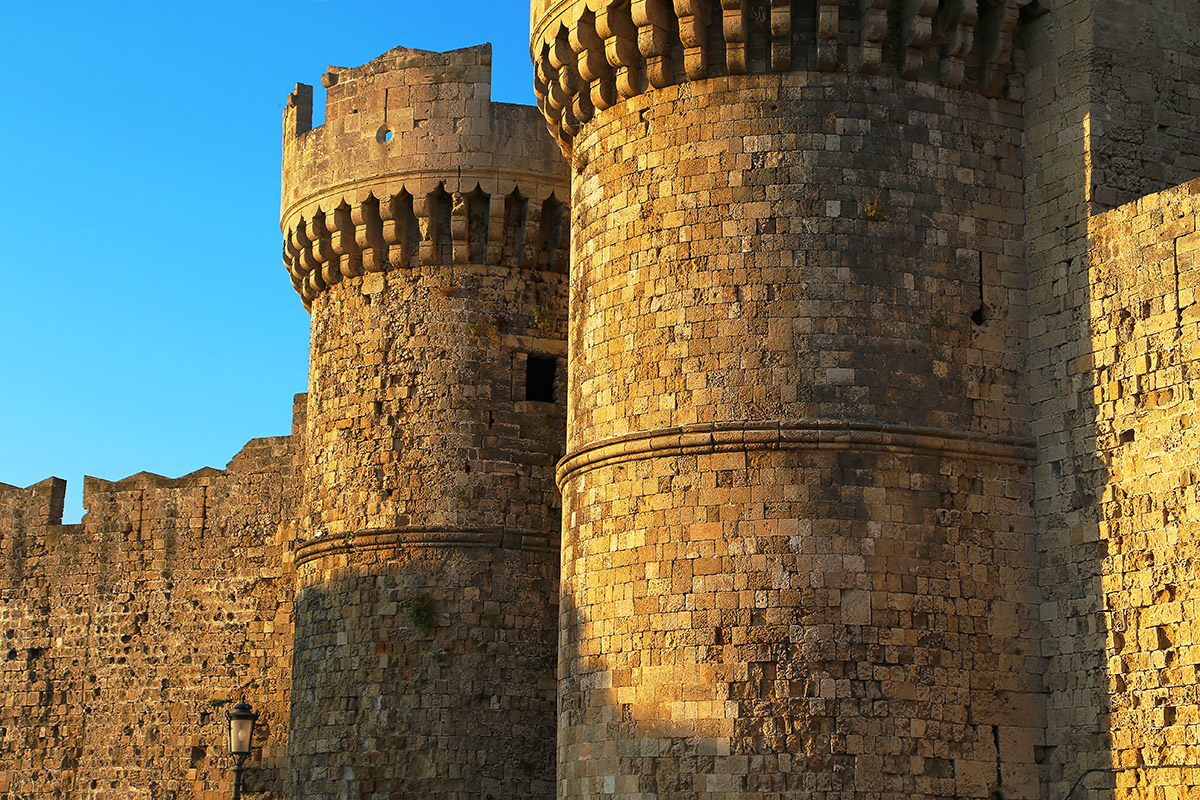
{"points": [[478, 220], [516, 219], [438, 204], [980, 315]]}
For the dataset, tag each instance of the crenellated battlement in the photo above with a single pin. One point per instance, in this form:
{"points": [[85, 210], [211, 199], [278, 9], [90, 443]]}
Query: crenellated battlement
{"points": [[372, 188], [590, 54], [39, 504]]}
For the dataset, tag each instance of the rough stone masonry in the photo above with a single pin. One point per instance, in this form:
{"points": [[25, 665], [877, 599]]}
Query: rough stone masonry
{"points": [[868, 392]]}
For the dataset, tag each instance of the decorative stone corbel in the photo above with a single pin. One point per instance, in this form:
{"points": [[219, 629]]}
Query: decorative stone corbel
{"points": [[615, 26], [693, 33], [651, 19]]}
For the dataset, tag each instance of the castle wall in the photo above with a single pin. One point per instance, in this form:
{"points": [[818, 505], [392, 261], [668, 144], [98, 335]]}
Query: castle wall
{"points": [[1057, 106], [796, 493], [126, 636], [879, 479], [424, 667], [1142, 357], [426, 231], [1145, 67], [1108, 113]]}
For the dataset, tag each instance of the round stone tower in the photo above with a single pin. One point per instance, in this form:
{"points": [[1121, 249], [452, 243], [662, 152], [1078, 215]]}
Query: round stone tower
{"points": [[425, 229], [798, 555]]}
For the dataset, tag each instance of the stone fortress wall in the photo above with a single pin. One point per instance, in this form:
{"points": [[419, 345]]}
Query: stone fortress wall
{"points": [[635, 93], [878, 474], [1143, 361], [126, 636], [1110, 115]]}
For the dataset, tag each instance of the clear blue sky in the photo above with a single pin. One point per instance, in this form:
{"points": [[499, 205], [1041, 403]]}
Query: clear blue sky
{"points": [[148, 322]]}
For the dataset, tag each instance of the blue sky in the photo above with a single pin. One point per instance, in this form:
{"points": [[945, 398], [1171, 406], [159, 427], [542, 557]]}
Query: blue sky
{"points": [[149, 324]]}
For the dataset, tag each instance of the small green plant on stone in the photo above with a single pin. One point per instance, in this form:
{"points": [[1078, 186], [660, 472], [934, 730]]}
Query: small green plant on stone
{"points": [[543, 319], [761, 16], [216, 702], [349, 538], [480, 330], [422, 614], [874, 209], [938, 319], [437, 656]]}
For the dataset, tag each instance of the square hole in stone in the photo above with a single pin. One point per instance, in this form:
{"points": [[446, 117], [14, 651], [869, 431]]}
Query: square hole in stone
{"points": [[541, 376]]}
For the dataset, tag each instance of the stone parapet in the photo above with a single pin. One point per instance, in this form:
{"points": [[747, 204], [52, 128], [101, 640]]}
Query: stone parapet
{"points": [[589, 54], [373, 187]]}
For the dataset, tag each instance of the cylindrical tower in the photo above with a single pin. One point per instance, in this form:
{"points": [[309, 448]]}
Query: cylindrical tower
{"points": [[798, 555], [425, 229]]}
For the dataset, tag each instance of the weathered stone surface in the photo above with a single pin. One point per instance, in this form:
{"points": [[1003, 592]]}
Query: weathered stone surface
{"points": [[876, 447], [126, 636], [850, 580], [427, 573], [749, 200], [406, 564]]}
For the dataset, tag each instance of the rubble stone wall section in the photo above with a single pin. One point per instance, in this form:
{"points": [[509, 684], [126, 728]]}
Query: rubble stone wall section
{"points": [[431, 492], [1110, 114], [126, 637], [1144, 359], [419, 411], [426, 667]]}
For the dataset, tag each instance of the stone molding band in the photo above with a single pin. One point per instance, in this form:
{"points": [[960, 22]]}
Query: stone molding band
{"points": [[420, 537], [726, 437]]}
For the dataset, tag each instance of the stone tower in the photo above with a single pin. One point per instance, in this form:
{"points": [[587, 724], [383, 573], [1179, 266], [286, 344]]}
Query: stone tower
{"points": [[425, 230], [879, 455], [798, 546]]}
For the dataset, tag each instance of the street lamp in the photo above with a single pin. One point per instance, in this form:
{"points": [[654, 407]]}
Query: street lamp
{"points": [[241, 732]]}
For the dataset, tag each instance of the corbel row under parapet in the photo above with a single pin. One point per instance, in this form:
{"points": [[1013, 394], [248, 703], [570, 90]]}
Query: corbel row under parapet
{"points": [[422, 222], [590, 53]]}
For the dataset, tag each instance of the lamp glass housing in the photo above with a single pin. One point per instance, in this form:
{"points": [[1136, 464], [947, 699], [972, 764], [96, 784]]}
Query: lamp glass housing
{"points": [[241, 729]]}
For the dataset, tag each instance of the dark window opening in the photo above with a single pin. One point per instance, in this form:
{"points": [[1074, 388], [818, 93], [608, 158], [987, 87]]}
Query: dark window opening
{"points": [[980, 315], [541, 374]]}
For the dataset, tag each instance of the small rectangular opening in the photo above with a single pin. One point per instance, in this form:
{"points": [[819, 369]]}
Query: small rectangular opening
{"points": [[541, 375]]}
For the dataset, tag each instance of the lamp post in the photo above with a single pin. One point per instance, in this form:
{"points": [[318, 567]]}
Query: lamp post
{"points": [[241, 732]]}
